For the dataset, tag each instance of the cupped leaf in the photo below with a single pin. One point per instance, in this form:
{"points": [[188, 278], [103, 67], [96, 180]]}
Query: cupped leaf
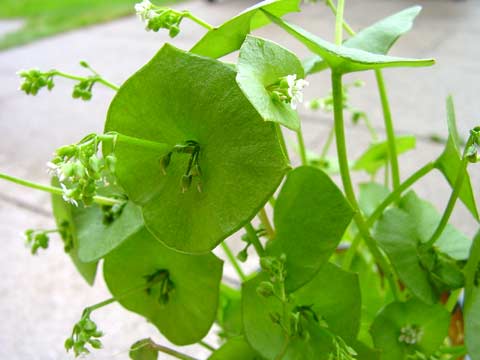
{"points": [[179, 97], [401, 329], [401, 232], [471, 308], [377, 38], [185, 315], [95, 238], [376, 156], [450, 160], [229, 36], [63, 213], [235, 349], [262, 64], [344, 59], [336, 302], [311, 215]]}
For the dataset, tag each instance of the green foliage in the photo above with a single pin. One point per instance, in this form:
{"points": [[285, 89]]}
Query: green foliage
{"points": [[193, 151]]}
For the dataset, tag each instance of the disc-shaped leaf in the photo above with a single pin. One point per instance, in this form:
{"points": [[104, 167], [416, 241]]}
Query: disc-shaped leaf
{"points": [[337, 302], [370, 196], [311, 215], [63, 213], [261, 64], [235, 349], [179, 97], [429, 322], [96, 239], [471, 309], [377, 38], [229, 36], [449, 162], [400, 233], [376, 156], [344, 59], [189, 312]]}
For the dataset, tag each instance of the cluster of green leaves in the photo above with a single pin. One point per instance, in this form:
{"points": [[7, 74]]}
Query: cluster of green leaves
{"points": [[327, 287]]}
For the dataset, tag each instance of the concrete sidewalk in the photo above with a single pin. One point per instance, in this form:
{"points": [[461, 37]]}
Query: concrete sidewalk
{"points": [[42, 297]]}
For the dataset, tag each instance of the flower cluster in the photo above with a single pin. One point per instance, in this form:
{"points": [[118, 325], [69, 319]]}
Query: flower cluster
{"points": [[410, 334], [289, 90], [472, 153], [37, 239], [156, 18], [84, 333], [80, 170], [33, 80]]}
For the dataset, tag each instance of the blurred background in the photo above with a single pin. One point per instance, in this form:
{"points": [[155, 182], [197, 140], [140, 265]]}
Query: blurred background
{"points": [[41, 297]]}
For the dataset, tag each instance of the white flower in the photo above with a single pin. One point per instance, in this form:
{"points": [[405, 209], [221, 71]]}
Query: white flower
{"points": [[295, 90], [55, 170], [67, 195], [145, 10]]}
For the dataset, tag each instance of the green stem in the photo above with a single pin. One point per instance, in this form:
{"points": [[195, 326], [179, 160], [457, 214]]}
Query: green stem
{"points": [[452, 300], [457, 351], [301, 147], [327, 144], [252, 235], [337, 91], [283, 144], [339, 22], [102, 200], [148, 144], [199, 21], [80, 78], [394, 195], [347, 27], [387, 116], [262, 215], [352, 250], [462, 171], [169, 351], [233, 261], [206, 346]]}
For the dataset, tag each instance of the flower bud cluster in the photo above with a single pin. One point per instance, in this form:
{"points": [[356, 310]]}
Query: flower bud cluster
{"points": [[472, 153], [288, 90], [37, 239], [410, 334], [156, 18], [85, 333], [33, 80], [342, 350], [243, 254], [80, 170]]}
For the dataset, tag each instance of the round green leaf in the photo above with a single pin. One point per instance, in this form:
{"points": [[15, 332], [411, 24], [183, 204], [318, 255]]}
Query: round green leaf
{"points": [[261, 64], [96, 239], [336, 301], [179, 97], [235, 349], [432, 323], [229, 36], [63, 212], [311, 215], [192, 305]]}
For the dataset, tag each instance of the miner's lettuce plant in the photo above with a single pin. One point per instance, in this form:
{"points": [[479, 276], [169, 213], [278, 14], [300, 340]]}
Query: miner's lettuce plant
{"points": [[193, 151]]}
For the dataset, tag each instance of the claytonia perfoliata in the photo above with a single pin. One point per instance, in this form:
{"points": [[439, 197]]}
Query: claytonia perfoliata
{"points": [[156, 18], [289, 90], [410, 334], [295, 90]]}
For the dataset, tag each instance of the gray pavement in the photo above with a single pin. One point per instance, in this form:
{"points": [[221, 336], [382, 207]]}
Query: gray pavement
{"points": [[41, 297]]}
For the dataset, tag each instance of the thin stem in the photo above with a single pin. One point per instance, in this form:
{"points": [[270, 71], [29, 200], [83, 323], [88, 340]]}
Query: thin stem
{"points": [[339, 22], [452, 300], [252, 235], [399, 190], [199, 21], [152, 145], [233, 261], [327, 144], [206, 346], [387, 116], [81, 78], [352, 250], [262, 215], [461, 173], [102, 200], [459, 350], [347, 27], [283, 144], [337, 91], [169, 351], [301, 147]]}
